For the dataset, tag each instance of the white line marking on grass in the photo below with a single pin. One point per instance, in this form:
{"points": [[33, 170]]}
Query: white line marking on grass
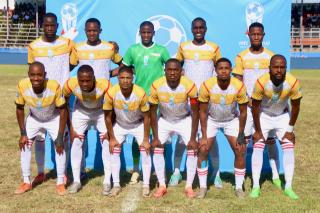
{"points": [[131, 200]]}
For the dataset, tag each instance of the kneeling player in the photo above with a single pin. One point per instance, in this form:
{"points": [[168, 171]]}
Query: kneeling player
{"points": [[89, 94], [47, 113], [219, 97], [172, 93], [270, 113], [130, 105]]}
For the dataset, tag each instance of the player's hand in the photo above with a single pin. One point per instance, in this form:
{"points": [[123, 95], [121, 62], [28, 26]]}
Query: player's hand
{"points": [[115, 46], [155, 143], [104, 136], [289, 136], [258, 136], [22, 142], [112, 144], [241, 142], [59, 143], [250, 102], [146, 145], [193, 145], [74, 134], [204, 142]]}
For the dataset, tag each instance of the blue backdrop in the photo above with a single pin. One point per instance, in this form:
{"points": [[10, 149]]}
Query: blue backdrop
{"points": [[227, 23]]}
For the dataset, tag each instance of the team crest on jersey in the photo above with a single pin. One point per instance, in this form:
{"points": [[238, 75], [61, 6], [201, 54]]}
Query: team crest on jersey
{"points": [[275, 98], [39, 104], [222, 100], [125, 108]]}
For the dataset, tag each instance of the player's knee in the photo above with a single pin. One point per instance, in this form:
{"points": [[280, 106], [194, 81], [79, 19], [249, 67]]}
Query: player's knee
{"points": [[203, 152]]}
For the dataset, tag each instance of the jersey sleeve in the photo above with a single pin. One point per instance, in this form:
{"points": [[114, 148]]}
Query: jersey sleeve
{"points": [[238, 69], [242, 97], [192, 91], [19, 98], [296, 92], [67, 90], [153, 98], [165, 55], [258, 91], [180, 54], [108, 101], [144, 105], [128, 59], [204, 94], [30, 55], [59, 99]]}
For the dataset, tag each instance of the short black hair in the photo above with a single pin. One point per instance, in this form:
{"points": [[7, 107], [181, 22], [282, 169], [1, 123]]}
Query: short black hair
{"points": [[93, 20], [278, 56], [148, 23], [85, 69], [256, 24], [173, 60], [198, 19], [223, 60], [37, 63], [125, 69], [50, 15]]}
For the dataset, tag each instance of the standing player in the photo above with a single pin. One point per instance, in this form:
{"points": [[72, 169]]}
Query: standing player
{"points": [[219, 97], [199, 57], [250, 65], [54, 53], [47, 112], [89, 94], [130, 105], [172, 94], [148, 59], [270, 111]]}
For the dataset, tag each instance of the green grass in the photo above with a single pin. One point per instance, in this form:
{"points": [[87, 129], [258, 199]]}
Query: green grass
{"points": [[43, 198]]}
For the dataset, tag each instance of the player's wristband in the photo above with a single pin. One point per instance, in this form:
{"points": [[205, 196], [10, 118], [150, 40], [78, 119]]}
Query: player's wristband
{"points": [[290, 128], [23, 132]]}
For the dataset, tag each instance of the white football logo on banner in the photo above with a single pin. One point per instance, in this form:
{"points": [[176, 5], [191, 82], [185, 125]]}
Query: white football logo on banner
{"points": [[168, 32], [254, 13], [69, 13]]}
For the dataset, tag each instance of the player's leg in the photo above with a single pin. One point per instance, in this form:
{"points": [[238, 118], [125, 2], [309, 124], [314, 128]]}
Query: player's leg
{"points": [[288, 154], [80, 124], [138, 133], [267, 125]]}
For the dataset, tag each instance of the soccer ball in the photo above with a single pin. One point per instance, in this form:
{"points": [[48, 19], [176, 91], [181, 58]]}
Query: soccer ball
{"points": [[69, 11], [254, 12], [168, 32]]}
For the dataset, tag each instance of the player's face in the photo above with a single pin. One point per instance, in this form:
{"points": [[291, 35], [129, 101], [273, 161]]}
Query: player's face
{"points": [[86, 81], [125, 80], [199, 30], [256, 35], [223, 70], [278, 68], [92, 32], [37, 77], [146, 33], [173, 72], [50, 27]]}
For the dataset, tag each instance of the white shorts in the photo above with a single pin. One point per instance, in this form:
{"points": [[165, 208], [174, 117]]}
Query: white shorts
{"points": [[230, 128], [181, 128], [277, 123], [120, 133], [36, 128], [81, 121]]}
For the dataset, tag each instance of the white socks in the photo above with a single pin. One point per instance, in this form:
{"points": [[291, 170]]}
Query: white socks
{"points": [[146, 166], [191, 167], [76, 157], [115, 166], [288, 162], [159, 165], [61, 165], [239, 177], [25, 156], [203, 174], [256, 161], [106, 159]]}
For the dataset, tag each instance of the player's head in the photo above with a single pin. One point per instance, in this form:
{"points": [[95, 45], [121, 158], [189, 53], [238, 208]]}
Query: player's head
{"points": [[199, 29], [86, 78], [37, 75], [223, 68], [146, 32], [125, 78], [93, 30], [173, 71], [50, 25], [277, 69], [256, 34]]}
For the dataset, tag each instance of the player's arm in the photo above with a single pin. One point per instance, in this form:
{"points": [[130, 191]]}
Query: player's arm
{"points": [[242, 101], [23, 133], [256, 120], [194, 105], [108, 120], [295, 109], [154, 124], [237, 71], [146, 131], [114, 72], [203, 115], [73, 58]]}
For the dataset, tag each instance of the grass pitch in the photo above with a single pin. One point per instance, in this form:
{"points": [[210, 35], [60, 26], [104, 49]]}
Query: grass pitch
{"points": [[44, 199]]}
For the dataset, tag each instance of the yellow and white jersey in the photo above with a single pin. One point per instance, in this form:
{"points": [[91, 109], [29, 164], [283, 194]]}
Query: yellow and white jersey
{"points": [[42, 106], [252, 66], [128, 110], [275, 98], [223, 103], [55, 57], [99, 57], [87, 102], [199, 60], [173, 103]]}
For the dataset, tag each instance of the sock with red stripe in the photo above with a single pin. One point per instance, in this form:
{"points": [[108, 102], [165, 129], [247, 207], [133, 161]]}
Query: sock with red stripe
{"points": [[76, 157], [106, 159], [203, 174], [191, 167], [239, 176], [61, 166], [25, 156], [146, 166], [159, 165], [115, 166], [288, 162], [256, 161], [39, 155]]}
